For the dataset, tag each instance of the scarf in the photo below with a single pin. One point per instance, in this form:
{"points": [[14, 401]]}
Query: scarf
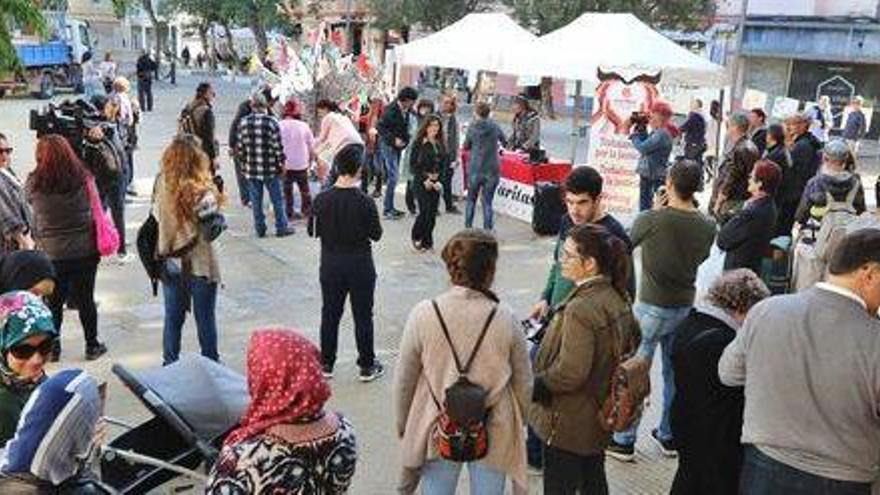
{"points": [[56, 428], [285, 383], [21, 270], [23, 315]]}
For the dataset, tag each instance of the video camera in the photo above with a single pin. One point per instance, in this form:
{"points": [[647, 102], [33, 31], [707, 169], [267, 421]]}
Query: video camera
{"points": [[71, 119], [639, 121]]}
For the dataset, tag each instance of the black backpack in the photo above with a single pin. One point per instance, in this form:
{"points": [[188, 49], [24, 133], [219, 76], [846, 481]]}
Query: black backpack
{"points": [[461, 432], [147, 240]]}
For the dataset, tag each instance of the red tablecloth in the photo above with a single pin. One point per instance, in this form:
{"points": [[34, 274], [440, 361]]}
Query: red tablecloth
{"points": [[515, 166]]}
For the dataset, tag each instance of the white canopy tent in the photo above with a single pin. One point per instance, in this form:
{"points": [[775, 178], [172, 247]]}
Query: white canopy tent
{"points": [[476, 42], [611, 41]]}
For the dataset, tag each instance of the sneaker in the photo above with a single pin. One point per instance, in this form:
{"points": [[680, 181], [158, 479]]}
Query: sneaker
{"points": [[261, 234], [95, 351], [124, 259], [393, 215], [398, 213], [667, 447], [327, 371], [453, 210], [372, 372], [288, 231], [131, 192], [623, 453]]}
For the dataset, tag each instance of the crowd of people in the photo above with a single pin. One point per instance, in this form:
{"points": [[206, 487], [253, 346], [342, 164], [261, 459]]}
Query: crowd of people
{"points": [[759, 395]]}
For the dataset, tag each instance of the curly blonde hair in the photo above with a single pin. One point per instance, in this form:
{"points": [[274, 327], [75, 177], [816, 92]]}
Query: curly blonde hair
{"points": [[186, 170], [736, 291], [470, 256]]}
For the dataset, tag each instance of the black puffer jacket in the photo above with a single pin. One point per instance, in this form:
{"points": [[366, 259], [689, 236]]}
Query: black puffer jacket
{"points": [[63, 225]]}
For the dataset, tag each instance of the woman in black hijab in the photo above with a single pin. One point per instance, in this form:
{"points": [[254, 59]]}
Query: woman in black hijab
{"points": [[27, 270]]}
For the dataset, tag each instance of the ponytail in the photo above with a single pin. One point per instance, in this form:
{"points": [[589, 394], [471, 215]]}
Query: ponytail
{"points": [[610, 253]]}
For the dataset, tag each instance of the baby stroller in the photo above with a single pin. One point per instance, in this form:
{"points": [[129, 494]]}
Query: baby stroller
{"points": [[195, 402]]}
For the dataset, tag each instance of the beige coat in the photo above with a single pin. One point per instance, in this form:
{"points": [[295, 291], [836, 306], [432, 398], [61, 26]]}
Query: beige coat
{"points": [[174, 235], [575, 362], [501, 366]]}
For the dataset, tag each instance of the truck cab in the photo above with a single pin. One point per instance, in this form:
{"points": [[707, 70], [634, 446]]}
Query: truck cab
{"points": [[53, 62]]}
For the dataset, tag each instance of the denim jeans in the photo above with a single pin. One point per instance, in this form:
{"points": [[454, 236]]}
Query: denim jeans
{"points": [[273, 185], [391, 157], [762, 475], [440, 477], [647, 188], [204, 306], [658, 326], [484, 187]]}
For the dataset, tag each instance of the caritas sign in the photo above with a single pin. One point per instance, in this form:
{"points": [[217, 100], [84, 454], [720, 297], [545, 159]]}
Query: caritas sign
{"points": [[515, 196], [611, 152]]}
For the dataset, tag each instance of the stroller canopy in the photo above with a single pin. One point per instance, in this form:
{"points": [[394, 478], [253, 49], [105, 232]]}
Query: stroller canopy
{"points": [[210, 397]]}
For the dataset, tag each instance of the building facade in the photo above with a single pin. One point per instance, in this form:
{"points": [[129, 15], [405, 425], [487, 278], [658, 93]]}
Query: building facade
{"points": [[805, 49]]}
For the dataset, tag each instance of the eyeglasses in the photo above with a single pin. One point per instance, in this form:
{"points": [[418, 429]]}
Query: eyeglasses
{"points": [[6, 151], [566, 256], [27, 351]]}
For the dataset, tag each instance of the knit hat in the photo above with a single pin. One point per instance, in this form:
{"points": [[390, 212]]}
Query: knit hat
{"points": [[23, 315], [836, 150]]}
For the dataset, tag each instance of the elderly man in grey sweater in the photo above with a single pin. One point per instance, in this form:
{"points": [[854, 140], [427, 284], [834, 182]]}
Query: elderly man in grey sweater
{"points": [[810, 363]]}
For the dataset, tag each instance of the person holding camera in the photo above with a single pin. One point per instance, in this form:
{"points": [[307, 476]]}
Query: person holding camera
{"points": [[675, 238], [654, 148]]}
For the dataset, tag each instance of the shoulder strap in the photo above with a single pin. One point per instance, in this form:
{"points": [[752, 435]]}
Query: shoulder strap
{"points": [[463, 370]]}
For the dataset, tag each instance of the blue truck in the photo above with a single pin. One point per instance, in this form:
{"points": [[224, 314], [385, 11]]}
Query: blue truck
{"points": [[49, 64]]}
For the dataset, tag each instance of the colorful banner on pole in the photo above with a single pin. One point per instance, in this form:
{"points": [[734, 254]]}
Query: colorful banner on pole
{"points": [[611, 152]]}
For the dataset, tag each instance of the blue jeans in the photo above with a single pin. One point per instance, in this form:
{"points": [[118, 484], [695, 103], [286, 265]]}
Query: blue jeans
{"points": [[484, 187], [658, 326], [391, 158], [647, 188], [204, 306], [440, 477], [273, 185], [762, 475]]}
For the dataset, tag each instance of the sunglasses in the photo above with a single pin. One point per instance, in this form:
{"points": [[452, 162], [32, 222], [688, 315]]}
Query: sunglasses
{"points": [[24, 352], [7, 151]]}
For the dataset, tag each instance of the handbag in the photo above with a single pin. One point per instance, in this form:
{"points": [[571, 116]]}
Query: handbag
{"points": [[105, 232]]}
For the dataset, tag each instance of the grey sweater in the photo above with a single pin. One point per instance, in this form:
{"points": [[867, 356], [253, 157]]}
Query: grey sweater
{"points": [[810, 363]]}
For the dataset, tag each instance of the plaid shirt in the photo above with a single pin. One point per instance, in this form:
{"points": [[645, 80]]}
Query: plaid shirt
{"points": [[259, 142]]}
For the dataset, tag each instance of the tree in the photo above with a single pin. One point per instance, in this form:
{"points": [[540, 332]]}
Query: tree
{"points": [[430, 14], [17, 12], [544, 16]]}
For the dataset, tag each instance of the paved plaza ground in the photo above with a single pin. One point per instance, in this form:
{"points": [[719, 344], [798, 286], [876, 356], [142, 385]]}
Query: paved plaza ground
{"points": [[274, 282]]}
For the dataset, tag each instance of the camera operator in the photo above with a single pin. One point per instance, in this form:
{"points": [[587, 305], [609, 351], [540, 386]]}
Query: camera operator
{"points": [[654, 147]]}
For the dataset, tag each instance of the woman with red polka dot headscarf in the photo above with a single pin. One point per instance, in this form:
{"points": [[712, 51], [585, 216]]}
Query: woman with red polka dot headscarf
{"points": [[286, 441]]}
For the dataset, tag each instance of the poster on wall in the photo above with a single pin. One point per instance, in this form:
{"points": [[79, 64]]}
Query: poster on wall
{"points": [[611, 152], [754, 99], [783, 107]]}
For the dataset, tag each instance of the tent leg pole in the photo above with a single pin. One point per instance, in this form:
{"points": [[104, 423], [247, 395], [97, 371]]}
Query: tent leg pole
{"points": [[575, 119]]}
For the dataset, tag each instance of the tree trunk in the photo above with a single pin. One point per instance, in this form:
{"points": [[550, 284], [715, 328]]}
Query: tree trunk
{"points": [[547, 97], [157, 28], [259, 30], [232, 53]]}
